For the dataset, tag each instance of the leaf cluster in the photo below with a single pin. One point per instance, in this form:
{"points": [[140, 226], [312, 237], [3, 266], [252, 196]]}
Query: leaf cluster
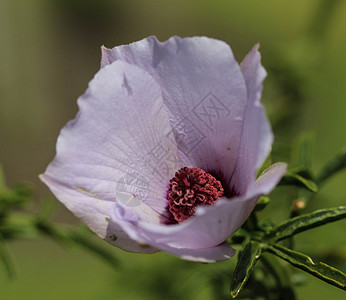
{"points": [[19, 220], [260, 238]]}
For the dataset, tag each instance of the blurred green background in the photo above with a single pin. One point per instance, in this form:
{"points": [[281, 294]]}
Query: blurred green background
{"points": [[50, 49]]}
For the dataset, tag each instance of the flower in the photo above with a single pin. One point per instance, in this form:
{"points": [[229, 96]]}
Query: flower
{"points": [[163, 125]]}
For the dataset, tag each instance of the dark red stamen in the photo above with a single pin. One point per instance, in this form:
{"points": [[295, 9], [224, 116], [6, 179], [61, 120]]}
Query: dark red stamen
{"points": [[189, 188]]}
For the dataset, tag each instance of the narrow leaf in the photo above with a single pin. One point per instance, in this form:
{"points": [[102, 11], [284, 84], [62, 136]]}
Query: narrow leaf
{"points": [[303, 151], [94, 248], [54, 232], [18, 231], [320, 270], [307, 221], [267, 163], [247, 260], [336, 164], [6, 259], [297, 180], [277, 270], [262, 203]]}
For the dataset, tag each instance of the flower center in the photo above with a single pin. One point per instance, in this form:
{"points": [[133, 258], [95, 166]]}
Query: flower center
{"points": [[189, 188]]}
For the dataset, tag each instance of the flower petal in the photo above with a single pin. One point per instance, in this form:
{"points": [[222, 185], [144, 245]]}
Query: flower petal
{"points": [[116, 149], [269, 178], [206, 255], [257, 137], [204, 90], [126, 218], [94, 212], [211, 226]]}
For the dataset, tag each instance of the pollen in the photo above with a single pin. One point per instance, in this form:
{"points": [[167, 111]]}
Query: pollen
{"points": [[189, 188]]}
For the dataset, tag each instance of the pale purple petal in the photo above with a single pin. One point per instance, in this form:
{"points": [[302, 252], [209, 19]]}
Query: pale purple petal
{"points": [[204, 90], [153, 108], [111, 151], [257, 137], [210, 227], [212, 224], [126, 218], [95, 214], [206, 255], [270, 177]]}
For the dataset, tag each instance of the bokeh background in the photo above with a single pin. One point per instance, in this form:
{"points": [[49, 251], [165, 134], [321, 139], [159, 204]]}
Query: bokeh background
{"points": [[50, 49]]}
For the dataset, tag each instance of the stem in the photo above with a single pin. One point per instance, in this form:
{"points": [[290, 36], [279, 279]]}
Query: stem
{"points": [[251, 223], [6, 258], [281, 277], [323, 15], [218, 289]]}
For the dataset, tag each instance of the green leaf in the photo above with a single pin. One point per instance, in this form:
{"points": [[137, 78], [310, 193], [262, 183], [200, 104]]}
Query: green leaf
{"points": [[297, 180], [13, 198], [262, 203], [275, 268], [54, 232], [94, 248], [18, 231], [267, 163], [320, 270], [303, 150], [70, 238], [6, 259], [239, 237], [247, 260], [307, 221], [336, 164]]}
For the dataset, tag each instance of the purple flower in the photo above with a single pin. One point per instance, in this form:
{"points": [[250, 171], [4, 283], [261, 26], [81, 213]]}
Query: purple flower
{"points": [[164, 150]]}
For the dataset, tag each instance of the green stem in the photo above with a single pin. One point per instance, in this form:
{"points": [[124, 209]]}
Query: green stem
{"points": [[281, 277], [6, 258], [252, 223]]}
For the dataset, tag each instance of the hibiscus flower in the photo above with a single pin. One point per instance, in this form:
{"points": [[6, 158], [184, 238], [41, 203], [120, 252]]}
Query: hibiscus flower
{"points": [[163, 152]]}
